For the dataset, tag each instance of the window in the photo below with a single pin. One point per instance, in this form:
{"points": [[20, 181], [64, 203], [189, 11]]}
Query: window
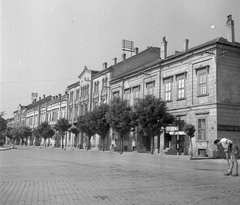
{"points": [[202, 80], [136, 92], [168, 90], [202, 129], [77, 94], [76, 111], [95, 104], [71, 96], [202, 83], [127, 95], [116, 94], [81, 110], [150, 88], [180, 87]]}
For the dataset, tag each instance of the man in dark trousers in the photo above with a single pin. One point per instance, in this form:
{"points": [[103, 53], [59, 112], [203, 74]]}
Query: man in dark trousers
{"points": [[231, 151]]}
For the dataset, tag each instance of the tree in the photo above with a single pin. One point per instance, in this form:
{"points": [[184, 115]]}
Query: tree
{"points": [[74, 129], [189, 129], [24, 132], [87, 125], [37, 136], [62, 127], [45, 131], [103, 127], [12, 134], [150, 114], [119, 117], [3, 126]]}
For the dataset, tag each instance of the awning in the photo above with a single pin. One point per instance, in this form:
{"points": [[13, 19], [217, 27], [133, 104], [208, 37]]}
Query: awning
{"points": [[177, 133]]}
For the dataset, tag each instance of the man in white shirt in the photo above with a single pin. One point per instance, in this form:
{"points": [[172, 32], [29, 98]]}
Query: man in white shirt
{"points": [[230, 149]]}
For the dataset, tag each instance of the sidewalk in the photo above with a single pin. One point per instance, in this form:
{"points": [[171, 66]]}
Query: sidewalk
{"points": [[3, 148]]}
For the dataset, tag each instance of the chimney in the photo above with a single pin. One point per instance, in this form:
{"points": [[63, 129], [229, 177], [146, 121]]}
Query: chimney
{"points": [[39, 98], [114, 61], [104, 65], [59, 95], [164, 49], [43, 96], [185, 45], [124, 56], [230, 29], [136, 50]]}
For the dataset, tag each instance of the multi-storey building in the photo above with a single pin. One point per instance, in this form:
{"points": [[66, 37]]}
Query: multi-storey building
{"points": [[200, 86], [131, 79]]}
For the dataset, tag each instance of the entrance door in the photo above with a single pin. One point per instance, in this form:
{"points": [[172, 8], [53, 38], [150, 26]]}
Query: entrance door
{"points": [[181, 143]]}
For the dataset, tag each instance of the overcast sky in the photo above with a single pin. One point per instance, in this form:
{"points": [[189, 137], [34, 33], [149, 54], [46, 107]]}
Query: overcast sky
{"points": [[46, 44]]}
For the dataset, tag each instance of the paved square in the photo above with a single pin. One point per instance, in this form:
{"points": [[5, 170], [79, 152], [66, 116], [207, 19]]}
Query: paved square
{"points": [[31, 175]]}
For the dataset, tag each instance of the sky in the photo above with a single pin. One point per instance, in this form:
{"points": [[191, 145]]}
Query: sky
{"points": [[46, 44]]}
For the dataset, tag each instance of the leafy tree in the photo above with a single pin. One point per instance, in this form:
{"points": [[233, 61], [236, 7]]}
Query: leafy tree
{"points": [[45, 131], [119, 117], [12, 134], [3, 126], [103, 127], [150, 113], [37, 136], [87, 125], [189, 129], [74, 129], [62, 127], [24, 132]]}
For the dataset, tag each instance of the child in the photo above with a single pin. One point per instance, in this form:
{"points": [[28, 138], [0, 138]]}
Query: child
{"points": [[230, 149]]}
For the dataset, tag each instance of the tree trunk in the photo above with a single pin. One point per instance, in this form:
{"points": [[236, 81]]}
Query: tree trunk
{"points": [[121, 145], [103, 144], [89, 141], [65, 140], [152, 144], [191, 148]]}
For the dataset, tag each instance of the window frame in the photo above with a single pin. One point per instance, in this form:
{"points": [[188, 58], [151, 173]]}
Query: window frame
{"points": [[200, 71], [179, 78], [150, 90], [168, 80], [136, 94], [200, 129]]}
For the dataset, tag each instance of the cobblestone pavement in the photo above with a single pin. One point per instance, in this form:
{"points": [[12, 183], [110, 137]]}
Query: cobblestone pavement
{"points": [[54, 176]]}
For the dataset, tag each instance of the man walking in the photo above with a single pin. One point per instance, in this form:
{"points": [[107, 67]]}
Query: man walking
{"points": [[231, 151]]}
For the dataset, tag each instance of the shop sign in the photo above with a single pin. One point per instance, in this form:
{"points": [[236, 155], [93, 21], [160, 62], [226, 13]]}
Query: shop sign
{"points": [[171, 129], [228, 128]]}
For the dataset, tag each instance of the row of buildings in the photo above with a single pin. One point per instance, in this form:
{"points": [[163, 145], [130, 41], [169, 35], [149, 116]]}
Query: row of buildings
{"points": [[200, 85]]}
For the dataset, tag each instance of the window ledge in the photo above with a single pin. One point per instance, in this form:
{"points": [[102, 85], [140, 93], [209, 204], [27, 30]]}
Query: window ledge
{"points": [[181, 99], [167, 101], [203, 95], [202, 140]]}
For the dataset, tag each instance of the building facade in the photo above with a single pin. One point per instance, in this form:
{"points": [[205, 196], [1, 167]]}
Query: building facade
{"points": [[200, 86]]}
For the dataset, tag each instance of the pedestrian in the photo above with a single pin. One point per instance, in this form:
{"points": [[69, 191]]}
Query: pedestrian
{"points": [[231, 151]]}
